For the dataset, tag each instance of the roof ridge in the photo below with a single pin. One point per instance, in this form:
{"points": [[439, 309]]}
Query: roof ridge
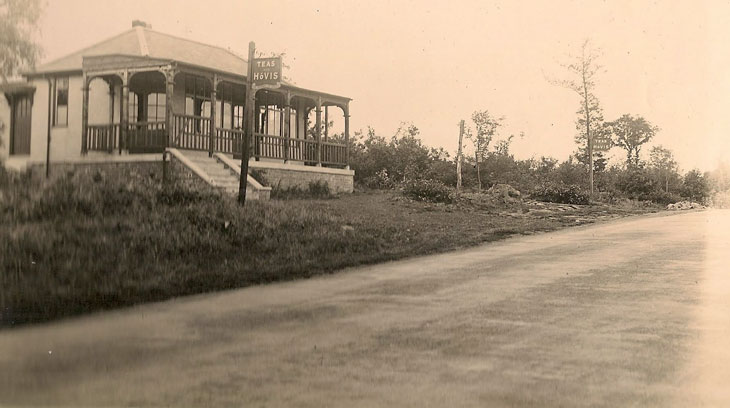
{"points": [[142, 40], [81, 51], [196, 42]]}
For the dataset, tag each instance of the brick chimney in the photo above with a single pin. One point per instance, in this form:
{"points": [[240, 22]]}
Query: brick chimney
{"points": [[140, 23]]}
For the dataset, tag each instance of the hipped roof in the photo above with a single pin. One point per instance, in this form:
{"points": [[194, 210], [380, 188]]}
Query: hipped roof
{"points": [[143, 42]]}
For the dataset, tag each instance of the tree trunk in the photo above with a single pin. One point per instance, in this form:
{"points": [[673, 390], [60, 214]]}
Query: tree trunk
{"points": [[589, 139], [459, 159], [479, 177]]}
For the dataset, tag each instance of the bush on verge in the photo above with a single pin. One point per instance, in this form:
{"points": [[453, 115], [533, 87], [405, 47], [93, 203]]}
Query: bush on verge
{"points": [[560, 193], [428, 190]]}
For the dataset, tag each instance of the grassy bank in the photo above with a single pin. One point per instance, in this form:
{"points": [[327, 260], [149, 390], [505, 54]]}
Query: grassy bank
{"points": [[76, 246]]}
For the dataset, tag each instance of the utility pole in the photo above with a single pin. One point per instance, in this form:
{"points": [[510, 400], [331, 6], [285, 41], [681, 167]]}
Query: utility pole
{"points": [[459, 158], [248, 115]]}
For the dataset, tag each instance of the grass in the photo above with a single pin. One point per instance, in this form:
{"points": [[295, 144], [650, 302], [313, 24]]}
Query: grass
{"points": [[80, 245]]}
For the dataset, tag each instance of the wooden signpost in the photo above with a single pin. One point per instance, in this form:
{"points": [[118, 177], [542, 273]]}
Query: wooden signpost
{"points": [[262, 73], [602, 144], [267, 72]]}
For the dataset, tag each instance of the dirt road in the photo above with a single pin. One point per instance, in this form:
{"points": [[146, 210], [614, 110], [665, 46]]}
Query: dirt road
{"points": [[633, 312]]}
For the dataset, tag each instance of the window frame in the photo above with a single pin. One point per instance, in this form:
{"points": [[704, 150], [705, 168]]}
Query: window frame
{"points": [[157, 111], [56, 116]]}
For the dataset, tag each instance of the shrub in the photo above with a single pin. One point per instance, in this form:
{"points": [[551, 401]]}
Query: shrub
{"points": [[636, 183], [661, 197], [560, 193], [319, 189], [428, 190], [380, 180]]}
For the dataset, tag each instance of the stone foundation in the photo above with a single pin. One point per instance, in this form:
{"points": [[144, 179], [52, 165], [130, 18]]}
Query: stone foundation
{"points": [[279, 175], [114, 170]]}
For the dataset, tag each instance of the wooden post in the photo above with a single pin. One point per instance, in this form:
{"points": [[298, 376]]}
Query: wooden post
{"points": [[112, 135], [213, 92], [326, 123], [287, 125], [249, 122], [124, 115], [169, 111], [51, 119], [459, 158], [318, 131], [85, 115], [141, 106], [347, 136]]}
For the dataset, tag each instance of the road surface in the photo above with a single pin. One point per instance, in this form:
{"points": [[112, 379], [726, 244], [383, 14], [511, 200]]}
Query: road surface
{"points": [[634, 312]]}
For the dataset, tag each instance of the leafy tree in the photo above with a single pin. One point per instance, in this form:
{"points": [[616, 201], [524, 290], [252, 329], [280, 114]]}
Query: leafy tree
{"points": [[411, 156], [695, 186], [369, 155], [662, 161], [18, 23], [502, 146], [719, 180], [583, 69], [486, 126], [720, 177], [636, 182], [630, 134]]}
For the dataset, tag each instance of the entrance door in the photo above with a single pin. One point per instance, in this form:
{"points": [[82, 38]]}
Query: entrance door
{"points": [[20, 125]]}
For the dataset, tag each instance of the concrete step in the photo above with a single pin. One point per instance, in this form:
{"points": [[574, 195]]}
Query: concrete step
{"points": [[222, 177], [218, 172]]}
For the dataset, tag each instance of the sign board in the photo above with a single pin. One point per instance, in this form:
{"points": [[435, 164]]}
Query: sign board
{"points": [[266, 72], [602, 144]]}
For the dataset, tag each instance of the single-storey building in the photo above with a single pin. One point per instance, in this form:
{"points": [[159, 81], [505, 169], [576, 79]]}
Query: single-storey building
{"points": [[143, 94]]}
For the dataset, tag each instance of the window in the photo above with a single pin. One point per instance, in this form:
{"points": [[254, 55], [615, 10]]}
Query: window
{"points": [[60, 106], [238, 117], [133, 107], [197, 91], [156, 104], [270, 120]]}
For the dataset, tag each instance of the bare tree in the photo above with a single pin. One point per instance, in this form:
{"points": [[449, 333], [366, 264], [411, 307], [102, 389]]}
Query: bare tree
{"points": [[583, 69]]}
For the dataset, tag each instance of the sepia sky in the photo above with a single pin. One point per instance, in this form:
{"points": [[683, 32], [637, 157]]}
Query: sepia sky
{"points": [[434, 62]]}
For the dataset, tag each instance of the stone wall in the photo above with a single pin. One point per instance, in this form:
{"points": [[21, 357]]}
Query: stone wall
{"points": [[106, 170], [284, 176]]}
